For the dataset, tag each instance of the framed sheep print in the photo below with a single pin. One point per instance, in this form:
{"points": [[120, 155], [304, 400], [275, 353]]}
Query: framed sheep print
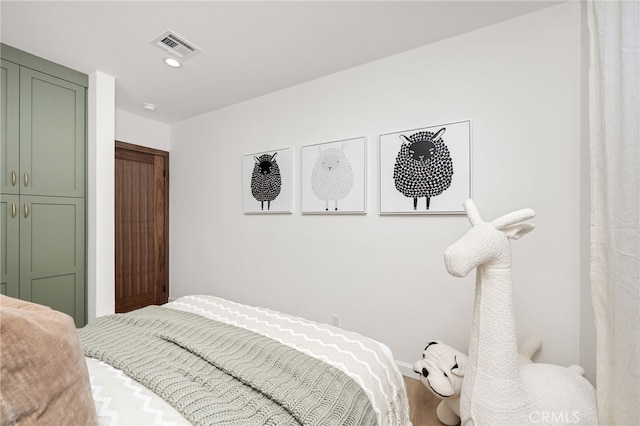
{"points": [[266, 182], [334, 177], [427, 170]]}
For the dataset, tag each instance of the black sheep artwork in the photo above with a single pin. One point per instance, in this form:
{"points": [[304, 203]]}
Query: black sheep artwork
{"points": [[423, 166], [266, 181]]}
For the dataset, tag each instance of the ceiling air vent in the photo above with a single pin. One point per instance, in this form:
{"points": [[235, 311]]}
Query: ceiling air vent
{"points": [[175, 45]]}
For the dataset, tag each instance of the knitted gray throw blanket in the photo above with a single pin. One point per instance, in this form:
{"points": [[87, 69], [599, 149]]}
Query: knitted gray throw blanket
{"points": [[215, 373]]}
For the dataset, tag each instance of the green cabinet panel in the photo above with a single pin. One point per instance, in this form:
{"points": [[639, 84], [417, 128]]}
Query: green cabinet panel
{"points": [[59, 292], [10, 231], [52, 253], [52, 135], [9, 133], [42, 182]]}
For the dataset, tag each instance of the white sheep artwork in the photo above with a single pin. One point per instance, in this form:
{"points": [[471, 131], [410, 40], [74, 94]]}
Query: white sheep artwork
{"points": [[332, 176], [497, 390], [423, 166]]}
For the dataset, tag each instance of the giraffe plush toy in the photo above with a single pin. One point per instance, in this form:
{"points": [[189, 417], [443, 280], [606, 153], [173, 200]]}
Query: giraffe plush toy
{"points": [[497, 390]]}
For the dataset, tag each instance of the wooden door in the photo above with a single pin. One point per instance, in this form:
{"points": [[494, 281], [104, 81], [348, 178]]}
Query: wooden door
{"points": [[142, 226]]}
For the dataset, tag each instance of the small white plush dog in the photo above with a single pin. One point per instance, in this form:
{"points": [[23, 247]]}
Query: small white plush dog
{"points": [[441, 370]]}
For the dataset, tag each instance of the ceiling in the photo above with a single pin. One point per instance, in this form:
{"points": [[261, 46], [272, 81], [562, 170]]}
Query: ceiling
{"points": [[248, 48]]}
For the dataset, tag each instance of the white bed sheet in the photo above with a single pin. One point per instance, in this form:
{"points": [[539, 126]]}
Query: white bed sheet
{"points": [[121, 400]]}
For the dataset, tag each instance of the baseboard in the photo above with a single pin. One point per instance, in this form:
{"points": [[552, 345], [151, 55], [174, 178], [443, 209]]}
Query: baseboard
{"points": [[406, 369]]}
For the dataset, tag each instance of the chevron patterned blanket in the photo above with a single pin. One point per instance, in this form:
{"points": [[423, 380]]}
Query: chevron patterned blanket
{"points": [[218, 362]]}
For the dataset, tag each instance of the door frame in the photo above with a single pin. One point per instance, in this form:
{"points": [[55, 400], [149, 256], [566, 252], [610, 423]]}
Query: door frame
{"points": [[146, 150]]}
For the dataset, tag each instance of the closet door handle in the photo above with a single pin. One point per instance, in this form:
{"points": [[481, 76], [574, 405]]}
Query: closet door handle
{"points": [[26, 210], [13, 178], [13, 210], [26, 179]]}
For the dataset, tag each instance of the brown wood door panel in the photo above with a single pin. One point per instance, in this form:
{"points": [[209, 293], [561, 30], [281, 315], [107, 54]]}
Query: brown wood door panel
{"points": [[141, 216]]}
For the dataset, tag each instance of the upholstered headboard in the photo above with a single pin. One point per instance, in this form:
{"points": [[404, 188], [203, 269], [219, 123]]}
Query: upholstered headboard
{"points": [[43, 373]]}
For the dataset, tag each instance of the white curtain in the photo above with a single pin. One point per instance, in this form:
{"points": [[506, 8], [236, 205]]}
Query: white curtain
{"points": [[614, 114]]}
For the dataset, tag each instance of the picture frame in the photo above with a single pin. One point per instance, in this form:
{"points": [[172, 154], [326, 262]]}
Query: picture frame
{"points": [[426, 170], [266, 182], [334, 177]]}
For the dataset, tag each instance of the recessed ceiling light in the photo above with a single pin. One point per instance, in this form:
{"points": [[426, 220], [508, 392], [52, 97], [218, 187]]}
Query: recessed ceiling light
{"points": [[149, 107], [173, 63]]}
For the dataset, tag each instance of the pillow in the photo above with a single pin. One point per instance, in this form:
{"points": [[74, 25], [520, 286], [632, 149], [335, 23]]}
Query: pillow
{"points": [[43, 373]]}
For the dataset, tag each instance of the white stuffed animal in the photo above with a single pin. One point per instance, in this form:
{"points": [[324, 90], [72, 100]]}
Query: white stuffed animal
{"points": [[496, 390], [441, 370]]}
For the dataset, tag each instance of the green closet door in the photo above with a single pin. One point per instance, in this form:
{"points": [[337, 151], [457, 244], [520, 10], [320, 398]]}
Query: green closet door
{"points": [[10, 119], [52, 135], [52, 253], [9, 244]]}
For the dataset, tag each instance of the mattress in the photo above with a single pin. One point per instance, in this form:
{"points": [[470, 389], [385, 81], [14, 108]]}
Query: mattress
{"points": [[121, 400]]}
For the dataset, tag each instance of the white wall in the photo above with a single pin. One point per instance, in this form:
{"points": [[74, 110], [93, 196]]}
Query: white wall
{"points": [[141, 131], [587, 320], [100, 196], [519, 84]]}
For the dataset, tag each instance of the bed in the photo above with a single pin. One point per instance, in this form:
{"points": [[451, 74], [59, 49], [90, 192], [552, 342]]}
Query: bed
{"points": [[206, 360]]}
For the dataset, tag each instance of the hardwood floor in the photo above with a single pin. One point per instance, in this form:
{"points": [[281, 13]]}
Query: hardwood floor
{"points": [[422, 404]]}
